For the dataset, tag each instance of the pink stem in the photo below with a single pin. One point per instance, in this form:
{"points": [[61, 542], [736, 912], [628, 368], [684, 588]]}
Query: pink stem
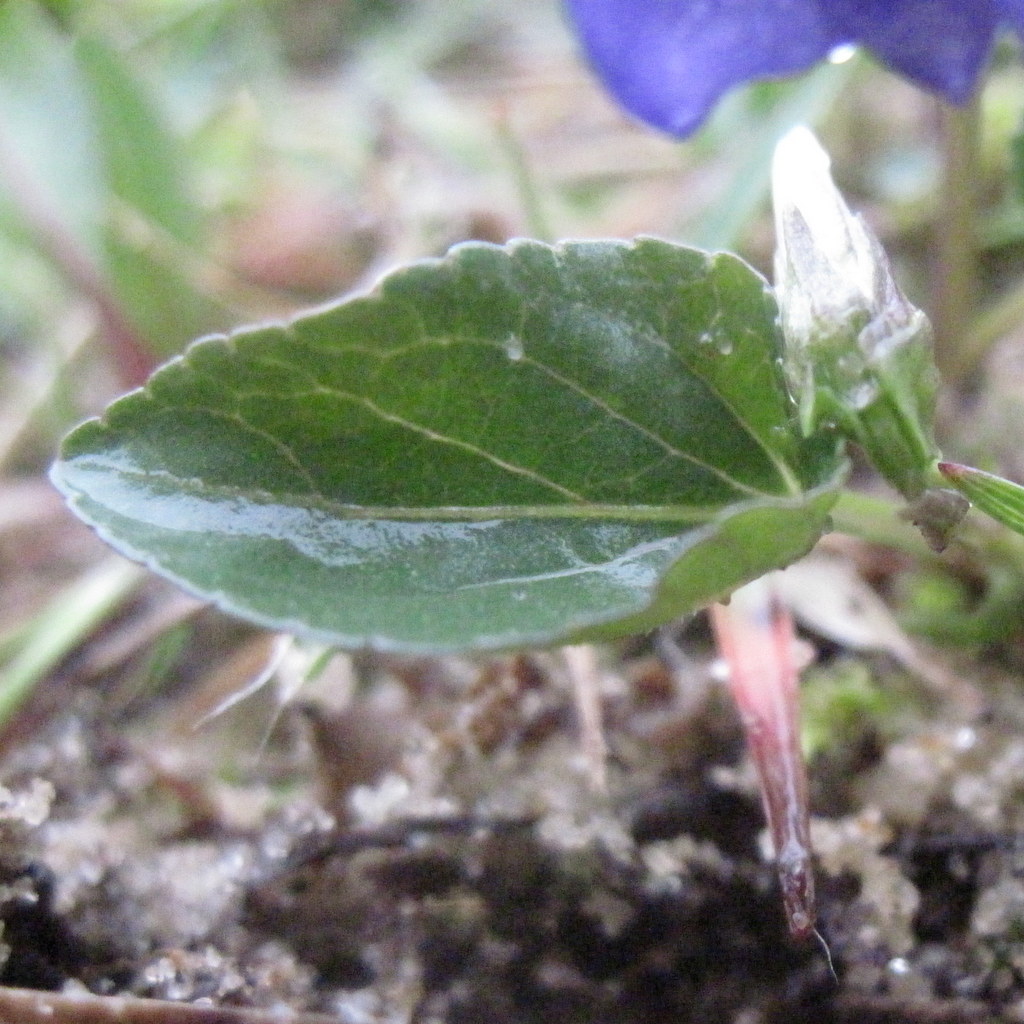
{"points": [[755, 637]]}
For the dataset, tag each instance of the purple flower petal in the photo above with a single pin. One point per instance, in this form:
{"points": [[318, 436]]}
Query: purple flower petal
{"points": [[668, 61], [942, 45], [1012, 13]]}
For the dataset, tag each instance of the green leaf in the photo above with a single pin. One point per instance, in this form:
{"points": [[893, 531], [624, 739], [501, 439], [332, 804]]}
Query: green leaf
{"points": [[152, 227], [143, 162], [995, 496], [46, 125], [508, 446], [91, 170]]}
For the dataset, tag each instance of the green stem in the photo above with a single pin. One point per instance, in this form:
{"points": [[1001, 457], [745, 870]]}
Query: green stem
{"points": [[955, 294], [877, 521], [534, 211], [70, 617], [988, 327]]}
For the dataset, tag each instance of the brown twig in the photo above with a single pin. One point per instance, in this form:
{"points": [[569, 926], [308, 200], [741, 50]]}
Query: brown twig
{"points": [[26, 1006]]}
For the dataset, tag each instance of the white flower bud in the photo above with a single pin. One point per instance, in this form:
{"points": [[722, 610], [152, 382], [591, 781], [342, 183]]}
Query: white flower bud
{"points": [[858, 355], [831, 273]]}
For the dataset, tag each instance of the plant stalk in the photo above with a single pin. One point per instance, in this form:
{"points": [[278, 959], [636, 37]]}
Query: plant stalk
{"points": [[955, 279]]}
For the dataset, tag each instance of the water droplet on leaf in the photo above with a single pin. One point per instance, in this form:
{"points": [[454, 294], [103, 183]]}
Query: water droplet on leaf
{"points": [[514, 347]]}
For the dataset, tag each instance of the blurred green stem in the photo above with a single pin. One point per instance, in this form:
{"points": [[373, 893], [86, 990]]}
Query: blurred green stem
{"points": [[537, 221], [1005, 315], [878, 521], [62, 625], [955, 295]]}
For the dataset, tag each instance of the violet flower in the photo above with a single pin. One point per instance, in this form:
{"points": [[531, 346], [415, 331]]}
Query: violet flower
{"points": [[668, 61]]}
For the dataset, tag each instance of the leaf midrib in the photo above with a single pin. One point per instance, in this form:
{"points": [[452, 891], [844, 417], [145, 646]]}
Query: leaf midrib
{"points": [[683, 515]]}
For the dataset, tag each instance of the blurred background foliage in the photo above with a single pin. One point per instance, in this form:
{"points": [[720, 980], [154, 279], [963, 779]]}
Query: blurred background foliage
{"points": [[170, 168]]}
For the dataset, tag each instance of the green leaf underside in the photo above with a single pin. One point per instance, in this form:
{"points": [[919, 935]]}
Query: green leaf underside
{"points": [[508, 446]]}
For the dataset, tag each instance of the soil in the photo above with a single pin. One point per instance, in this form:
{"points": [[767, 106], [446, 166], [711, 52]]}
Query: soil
{"points": [[434, 840]]}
